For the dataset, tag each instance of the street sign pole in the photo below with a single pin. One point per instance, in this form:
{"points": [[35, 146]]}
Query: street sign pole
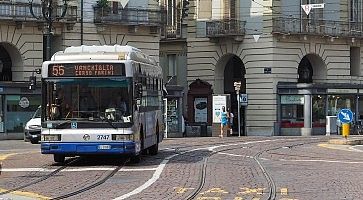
{"points": [[239, 117], [237, 87]]}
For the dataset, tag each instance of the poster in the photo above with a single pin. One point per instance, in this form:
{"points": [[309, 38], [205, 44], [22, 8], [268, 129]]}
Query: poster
{"points": [[200, 110], [218, 102]]}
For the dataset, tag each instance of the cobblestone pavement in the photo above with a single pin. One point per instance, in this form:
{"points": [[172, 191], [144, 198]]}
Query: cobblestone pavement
{"points": [[195, 168]]}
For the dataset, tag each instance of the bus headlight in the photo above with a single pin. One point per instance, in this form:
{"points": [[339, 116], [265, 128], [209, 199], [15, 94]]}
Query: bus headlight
{"points": [[51, 137], [122, 137]]}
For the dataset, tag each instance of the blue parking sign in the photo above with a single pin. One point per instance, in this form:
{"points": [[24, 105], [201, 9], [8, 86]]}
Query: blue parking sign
{"points": [[345, 115]]}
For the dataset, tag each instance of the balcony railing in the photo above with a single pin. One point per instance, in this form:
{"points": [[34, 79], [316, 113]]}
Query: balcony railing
{"points": [[17, 11], [225, 28], [130, 16], [171, 32], [317, 27]]}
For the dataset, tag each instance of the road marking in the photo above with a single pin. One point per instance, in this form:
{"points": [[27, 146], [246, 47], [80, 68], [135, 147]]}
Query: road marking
{"points": [[283, 191], [327, 161], [181, 190], [209, 198], [163, 163], [75, 169], [5, 156], [25, 194], [214, 190], [258, 191]]}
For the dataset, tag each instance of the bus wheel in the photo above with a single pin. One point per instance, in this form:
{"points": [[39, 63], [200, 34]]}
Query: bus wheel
{"points": [[154, 149], [59, 158], [135, 159]]}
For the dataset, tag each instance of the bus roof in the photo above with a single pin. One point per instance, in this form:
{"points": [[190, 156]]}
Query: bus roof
{"points": [[105, 52]]}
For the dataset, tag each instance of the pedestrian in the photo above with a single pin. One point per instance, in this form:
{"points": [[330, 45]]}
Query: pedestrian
{"points": [[231, 115], [224, 121]]}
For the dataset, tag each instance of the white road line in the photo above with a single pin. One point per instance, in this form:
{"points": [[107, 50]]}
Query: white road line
{"points": [[75, 169], [327, 161], [161, 166]]}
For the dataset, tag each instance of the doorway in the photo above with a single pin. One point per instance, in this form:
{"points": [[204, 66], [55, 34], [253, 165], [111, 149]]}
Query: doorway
{"points": [[234, 71]]}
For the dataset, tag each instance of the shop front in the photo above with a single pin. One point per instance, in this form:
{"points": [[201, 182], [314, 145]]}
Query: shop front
{"points": [[303, 108], [17, 105]]}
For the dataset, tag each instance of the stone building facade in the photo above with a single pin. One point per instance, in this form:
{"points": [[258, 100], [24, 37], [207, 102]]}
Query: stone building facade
{"points": [[22, 43], [296, 68]]}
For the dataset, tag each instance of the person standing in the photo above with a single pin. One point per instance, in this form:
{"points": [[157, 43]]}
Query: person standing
{"points": [[224, 121]]}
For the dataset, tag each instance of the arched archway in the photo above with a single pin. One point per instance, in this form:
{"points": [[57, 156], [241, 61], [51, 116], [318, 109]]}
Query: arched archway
{"points": [[230, 69], [10, 59], [311, 69]]}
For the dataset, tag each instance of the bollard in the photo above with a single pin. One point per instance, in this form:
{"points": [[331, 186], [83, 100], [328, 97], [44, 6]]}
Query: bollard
{"points": [[345, 131]]}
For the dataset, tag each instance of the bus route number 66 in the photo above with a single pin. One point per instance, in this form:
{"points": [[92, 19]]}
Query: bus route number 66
{"points": [[58, 70]]}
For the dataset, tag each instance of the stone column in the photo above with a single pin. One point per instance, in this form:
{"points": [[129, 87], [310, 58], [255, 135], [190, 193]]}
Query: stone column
{"points": [[307, 130]]}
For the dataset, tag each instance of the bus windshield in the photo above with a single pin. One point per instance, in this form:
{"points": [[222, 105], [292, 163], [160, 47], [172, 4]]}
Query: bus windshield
{"points": [[84, 98]]}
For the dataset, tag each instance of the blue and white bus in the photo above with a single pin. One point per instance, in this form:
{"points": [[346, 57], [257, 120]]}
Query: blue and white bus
{"points": [[99, 100]]}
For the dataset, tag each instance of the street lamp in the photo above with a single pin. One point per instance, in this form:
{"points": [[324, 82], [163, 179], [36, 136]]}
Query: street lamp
{"points": [[47, 8]]}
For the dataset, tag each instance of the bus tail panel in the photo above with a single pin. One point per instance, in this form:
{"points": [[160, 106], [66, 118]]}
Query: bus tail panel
{"points": [[91, 148]]}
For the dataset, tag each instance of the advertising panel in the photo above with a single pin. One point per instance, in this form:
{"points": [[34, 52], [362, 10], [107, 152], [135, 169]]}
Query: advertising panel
{"points": [[218, 102], [200, 109]]}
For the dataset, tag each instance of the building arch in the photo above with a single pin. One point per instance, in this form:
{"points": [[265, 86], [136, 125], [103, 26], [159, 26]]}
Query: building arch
{"points": [[229, 69], [311, 69], [10, 59]]}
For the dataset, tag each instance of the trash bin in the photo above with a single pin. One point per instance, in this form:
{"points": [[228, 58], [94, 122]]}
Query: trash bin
{"points": [[203, 130]]}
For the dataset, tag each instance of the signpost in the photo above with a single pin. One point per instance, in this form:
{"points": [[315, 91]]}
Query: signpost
{"points": [[345, 116], [307, 7], [237, 87]]}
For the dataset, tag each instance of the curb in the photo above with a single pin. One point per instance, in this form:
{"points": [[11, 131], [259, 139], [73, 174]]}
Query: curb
{"points": [[349, 141]]}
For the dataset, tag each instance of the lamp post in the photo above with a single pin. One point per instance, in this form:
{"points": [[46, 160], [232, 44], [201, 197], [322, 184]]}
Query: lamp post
{"points": [[47, 8]]}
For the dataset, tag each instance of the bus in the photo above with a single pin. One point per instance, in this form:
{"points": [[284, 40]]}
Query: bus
{"points": [[101, 100]]}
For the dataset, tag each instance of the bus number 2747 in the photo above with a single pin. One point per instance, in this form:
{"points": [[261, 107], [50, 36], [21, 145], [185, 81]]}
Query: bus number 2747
{"points": [[102, 137]]}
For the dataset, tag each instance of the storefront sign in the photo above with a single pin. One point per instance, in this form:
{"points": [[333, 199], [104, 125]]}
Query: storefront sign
{"points": [[343, 91], [86, 69], [292, 99], [218, 102], [200, 110]]}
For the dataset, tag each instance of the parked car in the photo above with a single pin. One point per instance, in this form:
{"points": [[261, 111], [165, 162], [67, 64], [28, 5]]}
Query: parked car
{"points": [[33, 127]]}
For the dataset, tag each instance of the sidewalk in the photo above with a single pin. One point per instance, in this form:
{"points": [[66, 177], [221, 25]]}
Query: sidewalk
{"points": [[351, 140]]}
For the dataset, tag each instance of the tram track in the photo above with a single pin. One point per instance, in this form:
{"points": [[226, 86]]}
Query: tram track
{"points": [[45, 177], [270, 181], [93, 185]]}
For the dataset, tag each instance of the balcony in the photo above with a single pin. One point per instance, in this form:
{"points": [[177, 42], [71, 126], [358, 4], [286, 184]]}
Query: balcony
{"points": [[317, 27], [171, 32], [130, 16], [225, 28], [20, 12]]}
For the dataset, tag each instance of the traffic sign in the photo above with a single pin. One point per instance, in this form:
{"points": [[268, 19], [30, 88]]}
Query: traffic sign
{"points": [[345, 115], [243, 99], [307, 7]]}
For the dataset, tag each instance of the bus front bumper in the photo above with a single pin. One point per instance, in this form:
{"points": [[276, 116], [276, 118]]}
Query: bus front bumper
{"points": [[127, 147]]}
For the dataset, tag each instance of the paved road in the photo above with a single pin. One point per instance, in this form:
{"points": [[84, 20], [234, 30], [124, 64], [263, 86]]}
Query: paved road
{"points": [[283, 168]]}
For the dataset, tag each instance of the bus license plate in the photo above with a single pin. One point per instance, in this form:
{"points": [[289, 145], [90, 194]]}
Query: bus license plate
{"points": [[104, 146]]}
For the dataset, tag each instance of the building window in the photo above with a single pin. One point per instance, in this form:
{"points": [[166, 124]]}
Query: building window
{"points": [[292, 111], [204, 9], [172, 65], [318, 110], [338, 102], [355, 61], [305, 71]]}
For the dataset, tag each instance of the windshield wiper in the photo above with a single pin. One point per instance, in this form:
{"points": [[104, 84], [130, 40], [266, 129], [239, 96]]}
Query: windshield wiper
{"points": [[108, 121], [60, 124]]}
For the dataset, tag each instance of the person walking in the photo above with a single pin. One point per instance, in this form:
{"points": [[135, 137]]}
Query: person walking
{"points": [[224, 121]]}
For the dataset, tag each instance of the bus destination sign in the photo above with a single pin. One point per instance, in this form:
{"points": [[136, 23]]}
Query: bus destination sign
{"points": [[86, 69]]}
